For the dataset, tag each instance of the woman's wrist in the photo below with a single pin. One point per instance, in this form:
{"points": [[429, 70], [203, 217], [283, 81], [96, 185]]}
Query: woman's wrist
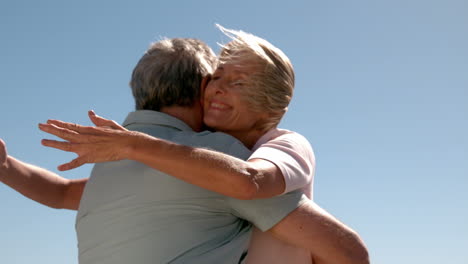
{"points": [[135, 145]]}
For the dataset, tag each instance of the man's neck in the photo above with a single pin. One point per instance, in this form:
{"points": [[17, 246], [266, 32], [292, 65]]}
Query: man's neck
{"points": [[191, 115]]}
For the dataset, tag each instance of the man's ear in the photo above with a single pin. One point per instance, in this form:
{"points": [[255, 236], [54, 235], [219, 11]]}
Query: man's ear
{"points": [[203, 85], [205, 82]]}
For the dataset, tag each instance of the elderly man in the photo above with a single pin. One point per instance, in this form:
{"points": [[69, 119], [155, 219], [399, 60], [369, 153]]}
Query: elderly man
{"points": [[129, 212]]}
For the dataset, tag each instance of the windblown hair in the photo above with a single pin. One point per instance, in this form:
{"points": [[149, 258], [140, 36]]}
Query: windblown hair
{"points": [[270, 89], [170, 73]]}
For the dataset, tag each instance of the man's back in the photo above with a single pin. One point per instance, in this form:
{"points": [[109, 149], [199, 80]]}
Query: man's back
{"points": [[131, 213]]}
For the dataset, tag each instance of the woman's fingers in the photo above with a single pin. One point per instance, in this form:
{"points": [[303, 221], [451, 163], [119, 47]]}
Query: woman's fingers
{"points": [[91, 144], [60, 132], [74, 133], [72, 164], [72, 126], [65, 146], [103, 122]]}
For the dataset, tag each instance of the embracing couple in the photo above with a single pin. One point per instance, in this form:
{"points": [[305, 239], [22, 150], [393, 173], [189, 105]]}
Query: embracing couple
{"points": [[199, 173]]}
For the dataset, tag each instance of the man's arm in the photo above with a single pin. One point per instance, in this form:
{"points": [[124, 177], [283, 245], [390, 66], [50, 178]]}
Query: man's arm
{"points": [[329, 240], [39, 184]]}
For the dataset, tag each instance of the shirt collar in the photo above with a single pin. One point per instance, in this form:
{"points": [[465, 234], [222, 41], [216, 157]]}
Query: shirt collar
{"points": [[155, 118]]}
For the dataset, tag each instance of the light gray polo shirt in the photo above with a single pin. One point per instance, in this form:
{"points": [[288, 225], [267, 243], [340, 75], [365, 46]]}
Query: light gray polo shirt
{"points": [[131, 213]]}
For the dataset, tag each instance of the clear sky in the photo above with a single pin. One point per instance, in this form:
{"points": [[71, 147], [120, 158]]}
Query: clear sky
{"points": [[381, 94]]}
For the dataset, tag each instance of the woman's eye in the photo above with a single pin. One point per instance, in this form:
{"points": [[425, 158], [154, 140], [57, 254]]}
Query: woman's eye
{"points": [[214, 78], [238, 83]]}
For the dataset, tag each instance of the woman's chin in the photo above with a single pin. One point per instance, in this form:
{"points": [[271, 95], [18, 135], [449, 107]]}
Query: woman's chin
{"points": [[214, 123]]}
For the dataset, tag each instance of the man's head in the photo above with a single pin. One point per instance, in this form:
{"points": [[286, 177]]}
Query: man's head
{"points": [[170, 73], [271, 86]]}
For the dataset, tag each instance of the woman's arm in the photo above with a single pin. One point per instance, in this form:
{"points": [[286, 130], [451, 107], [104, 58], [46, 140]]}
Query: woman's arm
{"points": [[208, 169], [211, 170], [39, 184], [329, 240]]}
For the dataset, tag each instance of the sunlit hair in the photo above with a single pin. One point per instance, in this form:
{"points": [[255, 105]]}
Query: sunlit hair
{"points": [[270, 89], [170, 73]]}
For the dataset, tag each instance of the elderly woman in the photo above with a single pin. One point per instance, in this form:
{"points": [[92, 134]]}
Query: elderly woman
{"points": [[246, 97]]}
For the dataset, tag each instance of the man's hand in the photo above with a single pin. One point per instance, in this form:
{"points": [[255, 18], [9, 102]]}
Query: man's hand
{"points": [[38, 184], [107, 142], [3, 154]]}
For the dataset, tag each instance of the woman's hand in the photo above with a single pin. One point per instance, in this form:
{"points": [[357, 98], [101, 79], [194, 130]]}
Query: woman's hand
{"points": [[107, 142], [102, 122]]}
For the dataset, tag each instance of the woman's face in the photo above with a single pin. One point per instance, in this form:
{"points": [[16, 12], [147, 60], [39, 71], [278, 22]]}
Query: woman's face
{"points": [[225, 105]]}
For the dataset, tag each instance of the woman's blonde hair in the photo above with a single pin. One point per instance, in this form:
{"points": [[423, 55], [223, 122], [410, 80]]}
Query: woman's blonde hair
{"points": [[270, 89]]}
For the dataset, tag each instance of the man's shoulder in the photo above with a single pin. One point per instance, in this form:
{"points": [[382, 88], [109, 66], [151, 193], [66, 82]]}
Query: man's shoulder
{"points": [[217, 141], [218, 137], [212, 140]]}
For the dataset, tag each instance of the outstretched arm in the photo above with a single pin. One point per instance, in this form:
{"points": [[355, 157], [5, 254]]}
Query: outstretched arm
{"points": [[329, 240], [39, 184], [308, 227], [209, 169]]}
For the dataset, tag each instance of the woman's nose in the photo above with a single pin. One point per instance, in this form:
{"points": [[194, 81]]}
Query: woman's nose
{"points": [[220, 88]]}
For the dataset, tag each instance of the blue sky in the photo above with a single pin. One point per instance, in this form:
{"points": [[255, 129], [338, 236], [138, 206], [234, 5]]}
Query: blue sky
{"points": [[381, 94]]}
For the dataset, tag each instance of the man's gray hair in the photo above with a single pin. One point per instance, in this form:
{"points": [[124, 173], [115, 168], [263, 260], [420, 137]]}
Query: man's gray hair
{"points": [[170, 73]]}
